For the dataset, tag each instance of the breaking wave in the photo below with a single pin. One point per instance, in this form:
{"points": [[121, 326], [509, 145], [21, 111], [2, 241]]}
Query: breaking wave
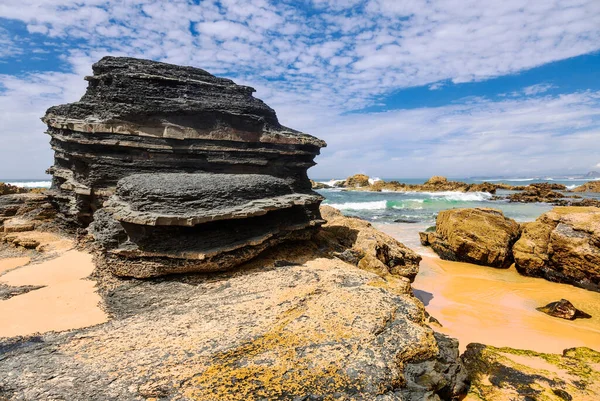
{"points": [[375, 205], [31, 184]]}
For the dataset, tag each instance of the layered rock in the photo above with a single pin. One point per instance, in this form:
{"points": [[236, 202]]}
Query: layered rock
{"points": [[144, 117], [481, 236], [294, 323], [562, 245], [592, 186], [434, 184], [159, 224], [196, 174]]}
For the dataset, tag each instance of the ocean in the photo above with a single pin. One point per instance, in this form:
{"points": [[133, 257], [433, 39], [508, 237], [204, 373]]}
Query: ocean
{"points": [[406, 213]]}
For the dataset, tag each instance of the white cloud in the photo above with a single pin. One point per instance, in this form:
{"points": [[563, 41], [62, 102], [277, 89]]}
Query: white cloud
{"points": [[314, 68]]}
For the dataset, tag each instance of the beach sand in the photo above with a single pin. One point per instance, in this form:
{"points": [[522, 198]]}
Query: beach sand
{"points": [[67, 300], [497, 306]]}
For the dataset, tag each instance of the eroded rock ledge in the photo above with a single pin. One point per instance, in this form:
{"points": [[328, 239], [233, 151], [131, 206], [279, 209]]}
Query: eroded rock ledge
{"points": [[145, 117]]}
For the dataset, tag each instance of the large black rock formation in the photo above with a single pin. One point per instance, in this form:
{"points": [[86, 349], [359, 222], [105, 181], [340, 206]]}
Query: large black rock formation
{"points": [[195, 173]]}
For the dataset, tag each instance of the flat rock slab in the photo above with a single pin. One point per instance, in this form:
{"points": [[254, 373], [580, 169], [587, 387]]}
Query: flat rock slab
{"points": [[17, 225]]}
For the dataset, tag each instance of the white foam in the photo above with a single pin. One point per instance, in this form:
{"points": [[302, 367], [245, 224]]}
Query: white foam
{"points": [[31, 184], [373, 180], [572, 186], [331, 183], [375, 205], [460, 196]]}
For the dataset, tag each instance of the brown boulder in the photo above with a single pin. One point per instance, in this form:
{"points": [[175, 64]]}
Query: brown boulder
{"points": [[436, 180], [355, 240], [562, 245], [539, 192], [564, 310], [318, 185], [356, 181], [592, 186], [481, 236], [8, 189]]}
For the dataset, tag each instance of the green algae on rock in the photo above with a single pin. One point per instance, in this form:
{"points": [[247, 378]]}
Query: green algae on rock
{"points": [[504, 374]]}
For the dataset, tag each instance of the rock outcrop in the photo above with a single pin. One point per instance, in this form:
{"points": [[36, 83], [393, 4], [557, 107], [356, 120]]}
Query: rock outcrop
{"points": [[145, 117], [564, 310], [480, 236], [562, 245], [500, 374], [434, 184], [356, 241], [294, 323], [592, 186], [356, 181], [539, 192], [180, 170], [8, 189]]}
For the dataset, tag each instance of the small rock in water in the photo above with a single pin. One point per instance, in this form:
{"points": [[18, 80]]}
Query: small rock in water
{"points": [[409, 221], [564, 310]]}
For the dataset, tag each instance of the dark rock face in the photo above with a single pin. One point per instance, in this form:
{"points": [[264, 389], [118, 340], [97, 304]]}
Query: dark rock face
{"points": [[140, 116], [564, 310], [193, 173]]}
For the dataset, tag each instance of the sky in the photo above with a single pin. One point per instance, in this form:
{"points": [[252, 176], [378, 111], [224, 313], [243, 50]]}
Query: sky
{"points": [[409, 88]]}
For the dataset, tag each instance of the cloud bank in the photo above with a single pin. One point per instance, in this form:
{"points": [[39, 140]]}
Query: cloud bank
{"points": [[326, 59]]}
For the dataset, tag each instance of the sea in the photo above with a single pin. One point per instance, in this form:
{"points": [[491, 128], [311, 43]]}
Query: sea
{"points": [[406, 213]]}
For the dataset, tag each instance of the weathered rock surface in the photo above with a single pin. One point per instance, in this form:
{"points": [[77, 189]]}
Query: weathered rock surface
{"points": [[357, 242], [318, 185], [159, 224], [539, 192], [480, 236], [144, 117], [564, 310], [8, 189], [592, 186], [182, 171], [314, 328], [504, 374], [562, 245], [434, 184], [356, 181]]}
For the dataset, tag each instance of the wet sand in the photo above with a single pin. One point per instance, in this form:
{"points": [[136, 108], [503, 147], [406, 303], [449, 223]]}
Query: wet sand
{"points": [[67, 301], [497, 306]]}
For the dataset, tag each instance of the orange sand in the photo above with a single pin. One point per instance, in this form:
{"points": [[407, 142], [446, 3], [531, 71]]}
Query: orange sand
{"points": [[67, 302], [497, 307], [11, 263]]}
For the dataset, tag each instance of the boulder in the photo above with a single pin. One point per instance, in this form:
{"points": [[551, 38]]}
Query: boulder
{"points": [[592, 186], [319, 185], [500, 374], [369, 248], [356, 181], [481, 236], [564, 310], [314, 328], [562, 245], [145, 117]]}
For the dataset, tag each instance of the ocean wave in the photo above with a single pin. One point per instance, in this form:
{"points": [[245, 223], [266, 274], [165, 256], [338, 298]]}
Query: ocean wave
{"points": [[460, 196], [31, 184], [331, 183], [373, 180], [572, 186], [375, 205]]}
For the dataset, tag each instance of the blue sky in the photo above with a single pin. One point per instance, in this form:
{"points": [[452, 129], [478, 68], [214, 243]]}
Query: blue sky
{"points": [[397, 89]]}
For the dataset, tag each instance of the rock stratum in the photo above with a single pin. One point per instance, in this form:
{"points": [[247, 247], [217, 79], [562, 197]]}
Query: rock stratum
{"points": [[145, 117], [179, 170]]}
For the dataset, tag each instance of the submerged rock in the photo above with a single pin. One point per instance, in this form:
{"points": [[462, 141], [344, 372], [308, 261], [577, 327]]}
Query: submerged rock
{"points": [[564, 310], [480, 236], [145, 117], [562, 245], [499, 374]]}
